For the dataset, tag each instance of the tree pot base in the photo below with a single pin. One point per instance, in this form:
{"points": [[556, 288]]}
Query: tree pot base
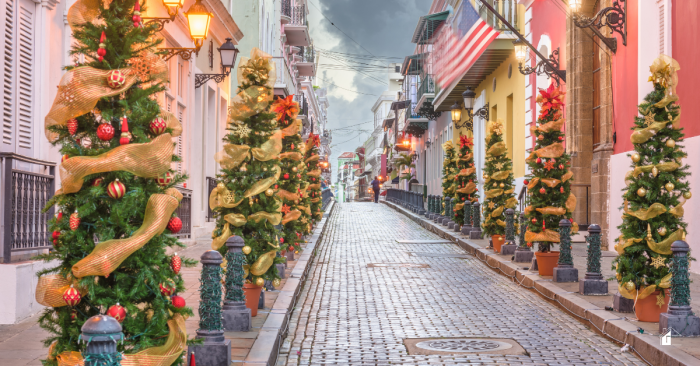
{"points": [[508, 249], [646, 309], [588, 286], [622, 304], [523, 256], [565, 273], [546, 262], [252, 297]]}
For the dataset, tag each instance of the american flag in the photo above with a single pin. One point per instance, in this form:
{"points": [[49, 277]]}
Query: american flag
{"points": [[458, 46]]}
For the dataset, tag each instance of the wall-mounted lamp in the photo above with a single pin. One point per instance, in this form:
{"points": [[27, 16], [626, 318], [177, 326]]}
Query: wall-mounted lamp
{"points": [[198, 20], [173, 6], [542, 67], [468, 99], [228, 53], [613, 17]]}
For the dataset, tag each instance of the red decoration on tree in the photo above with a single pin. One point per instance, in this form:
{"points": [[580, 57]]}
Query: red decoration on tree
{"points": [[539, 160], [71, 296], [116, 189], [105, 131], [286, 175], [59, 216], [97, 182], [549, 165], [55, 235], [126, 136], [158, 126], [165, 179], [282, 240], [115, 79], [561, 166], [178, 301], [64, 157], [298, 175], [292, 146], [285, 209], [74, 221], [571, 221], [561, 189], [192, 361], [466, 141], [117, 311], [73, 314], [291, 248], [176, 263], [102, 51], [561, 138], [534, 220], [72, 126], [168, 289], [543, 191], [175, 225], [136, 18], [526, 182]]}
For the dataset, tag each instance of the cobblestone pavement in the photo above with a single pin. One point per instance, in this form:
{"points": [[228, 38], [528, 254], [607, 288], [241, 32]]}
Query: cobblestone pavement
{"points": [[349, 314]]}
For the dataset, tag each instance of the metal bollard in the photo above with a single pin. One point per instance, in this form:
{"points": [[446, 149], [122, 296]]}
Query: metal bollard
{"points": [[523, 254], [467, 227], [509, 247], [680, 320], [237, 317], [476, 221], [565, 271], [101, 334], [593, 283]]}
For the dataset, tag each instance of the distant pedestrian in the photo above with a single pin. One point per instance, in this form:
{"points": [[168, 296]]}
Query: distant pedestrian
{"points": [[375, 188]]}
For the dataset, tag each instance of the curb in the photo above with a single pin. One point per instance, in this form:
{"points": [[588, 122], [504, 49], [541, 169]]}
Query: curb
{"points": [[646, 346], [266, 347]]}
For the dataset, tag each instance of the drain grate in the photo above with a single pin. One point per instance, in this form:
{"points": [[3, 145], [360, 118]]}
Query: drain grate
{"points": [[439, 346], [439, 255], [400, 265]]}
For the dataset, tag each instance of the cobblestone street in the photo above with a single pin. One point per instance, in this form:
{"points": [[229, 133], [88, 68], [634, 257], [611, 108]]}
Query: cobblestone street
{"points": [[352, 313]]}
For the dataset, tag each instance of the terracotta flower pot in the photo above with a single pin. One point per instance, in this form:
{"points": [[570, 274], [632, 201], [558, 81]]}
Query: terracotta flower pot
{"points": [[546, 262], [646, 309], [498, 241], [252, 297]]}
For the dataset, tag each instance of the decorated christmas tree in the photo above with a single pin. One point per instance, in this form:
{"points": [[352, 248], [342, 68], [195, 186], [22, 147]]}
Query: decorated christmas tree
{"points": [[466, 178], [314, 176], [499, 184], [291, 182], [305, 199], [656, 190], [117, 196], [247, 198], [549, 186], [449, 171]]}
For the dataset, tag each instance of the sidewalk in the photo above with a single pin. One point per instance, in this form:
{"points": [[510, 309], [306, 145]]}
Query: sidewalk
{"points": [[590, 310]]}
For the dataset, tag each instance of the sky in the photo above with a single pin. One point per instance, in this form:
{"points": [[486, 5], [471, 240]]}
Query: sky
{"points": [[379, 28]]}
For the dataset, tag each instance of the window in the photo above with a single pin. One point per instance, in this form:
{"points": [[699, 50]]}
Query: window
{"points": [[18, 76], [596, 95], [397, 68]]}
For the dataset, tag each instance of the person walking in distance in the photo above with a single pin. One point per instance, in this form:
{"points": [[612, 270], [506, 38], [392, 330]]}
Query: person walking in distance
{"points": [[375, 188]]}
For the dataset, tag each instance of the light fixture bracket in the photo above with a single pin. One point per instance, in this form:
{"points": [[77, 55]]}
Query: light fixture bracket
{"points": [[544, 68], [613, 17], [468, 123]]}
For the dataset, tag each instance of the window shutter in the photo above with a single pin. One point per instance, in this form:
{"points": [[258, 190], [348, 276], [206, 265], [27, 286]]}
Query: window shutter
{"points": [[25, 80], [178, 147], [8, 32]]}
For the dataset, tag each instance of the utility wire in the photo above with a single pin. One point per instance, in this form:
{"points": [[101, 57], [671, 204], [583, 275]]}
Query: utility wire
{"points": [[350, 90], [336, 27]]}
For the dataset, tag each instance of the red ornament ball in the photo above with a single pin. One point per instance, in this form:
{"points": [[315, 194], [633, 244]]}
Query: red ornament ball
{"points": [[561, 138], [464, 198], [105, 131], [286, 175], [571, 221], [534, 221], [561, 166], [175, 225], [73, 314], [116, 189], [526, 182], [291, 248], [176, 263], [117, 312], [542, 190], [167, 289], [115, 79], [158, 126], [72, 126], [539, 161], [165, 179], [298, 175], [178, 301], [55, 235], [71, 296]]}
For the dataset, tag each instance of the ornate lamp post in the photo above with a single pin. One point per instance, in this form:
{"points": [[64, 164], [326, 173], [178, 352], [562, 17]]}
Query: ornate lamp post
{"points": [[173, 6], [228, 53], [468, 99], [550, 68], [593, 283]]}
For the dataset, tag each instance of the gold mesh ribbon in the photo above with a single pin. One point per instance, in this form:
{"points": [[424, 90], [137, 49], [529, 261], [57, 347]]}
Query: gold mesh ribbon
{"points": [[166, 354], [291, 155], [459, 206], [312, 158], [261, 185], [554, 150], [547, 235], [293, 128], [678, 211], [263, 263], [314, 173], [551, 182], [314, 200], [501, 223], [646, 214], [644, 291], [664, 72], [528, 209], [548, 127], [668, 166], [568, 175], [318, 214], [497, 212], [312, 187], [447, 145], [85, 11], [466, 157], [222, 196], [108, 255], [50, 289], [676, 122], [291, 216], [70, 358], [81, 88], [305, 209], [664, 246], [467, 172], [235, 219], [273, 218], [533, 183], [570, 203], [642, 135], [286, 195], [149, 160], [254, 99], [219, 241], [172, 122], [624, 243], [511, 202], [494, 193], [232, 155], [468, 189], [500, 175], [497, 149], [550, 210], [509, 191], [270, 149]]}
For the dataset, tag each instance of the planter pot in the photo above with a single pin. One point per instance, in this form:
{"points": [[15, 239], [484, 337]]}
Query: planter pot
{"points": [[546, 262], [498, 241], [252, 297], [646, 309]]}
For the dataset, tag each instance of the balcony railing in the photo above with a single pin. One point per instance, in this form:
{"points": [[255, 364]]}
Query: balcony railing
{"points": [[298, 15], [306, 54], [508, 10], [427, 86], [287, 8], [284, 76], [303, 107], [184, 212], [326, 197], [23, 195], [211, 184]]}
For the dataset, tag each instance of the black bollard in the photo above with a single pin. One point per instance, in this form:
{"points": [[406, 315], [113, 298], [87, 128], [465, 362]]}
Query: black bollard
{"points": [[237, 316], [509, 247], [565, 271], [680, 319], [593, 283], [101, 334], [476, 221], [523, 254]]}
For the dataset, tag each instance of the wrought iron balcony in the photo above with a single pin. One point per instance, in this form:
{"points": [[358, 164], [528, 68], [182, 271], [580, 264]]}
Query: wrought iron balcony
{"points": [[508, 10]]}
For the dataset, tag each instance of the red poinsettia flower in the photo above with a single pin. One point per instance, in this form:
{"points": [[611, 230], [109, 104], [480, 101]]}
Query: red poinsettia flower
{"points": [[466, 141], [285, 107], [550, 99], [314, 139]]}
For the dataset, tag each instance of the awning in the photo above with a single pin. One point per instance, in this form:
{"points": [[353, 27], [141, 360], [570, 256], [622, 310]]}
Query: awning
{"points": [[413, 65], [427, 24], [402, 104], [417, 126]]}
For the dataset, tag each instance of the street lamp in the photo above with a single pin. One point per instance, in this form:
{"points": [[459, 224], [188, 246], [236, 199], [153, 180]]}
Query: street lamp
{"points": [[228, 53], [468, 98], [198, 19], [520, 50], [575, 5], [542, 67], [613, 17], [456, 111], [173, 6]]}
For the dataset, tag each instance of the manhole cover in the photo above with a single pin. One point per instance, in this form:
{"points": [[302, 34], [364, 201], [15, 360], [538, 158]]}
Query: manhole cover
{"points": [[439, 255], [444, 346], [403, 265]]}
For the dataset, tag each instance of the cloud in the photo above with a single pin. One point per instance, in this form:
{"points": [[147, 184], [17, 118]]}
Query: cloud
{"points": [[380, 27]]}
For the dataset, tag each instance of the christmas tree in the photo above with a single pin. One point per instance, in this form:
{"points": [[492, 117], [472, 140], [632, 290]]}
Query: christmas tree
{"points": [[247, 198], [314, 176], [291, 158], [466, 178], [499, 184], [549, 186], [117, 196], [656, 190], [305, 199], [449, 171]]}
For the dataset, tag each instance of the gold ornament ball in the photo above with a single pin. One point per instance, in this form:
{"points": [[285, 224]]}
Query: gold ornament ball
{"points": [[687, 195], [260, 282], [269, 192], [630, 286], [641, 192], [654, 171], [669, 186], [501, 185], [671, 143], [486, 176], [246, 250], [276, 282], [220, 185], [294, 169], [636, 158], [662, 231]]}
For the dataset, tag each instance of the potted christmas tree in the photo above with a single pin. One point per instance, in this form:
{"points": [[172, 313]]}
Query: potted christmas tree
{"points": [[498, 185], [465, 178], [117, 199], [549, 186], [657, 189], [314, 177], [449, 172]]}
